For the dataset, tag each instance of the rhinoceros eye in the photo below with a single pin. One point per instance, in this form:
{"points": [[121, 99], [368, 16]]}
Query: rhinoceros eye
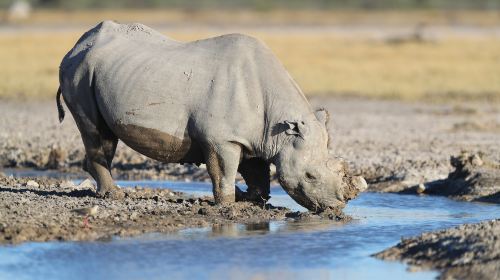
{"points": [[310, 177]]}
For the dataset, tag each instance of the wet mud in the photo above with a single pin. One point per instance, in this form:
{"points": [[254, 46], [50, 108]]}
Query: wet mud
{"points": [[475, 178], [470, 251], [44, 209]]}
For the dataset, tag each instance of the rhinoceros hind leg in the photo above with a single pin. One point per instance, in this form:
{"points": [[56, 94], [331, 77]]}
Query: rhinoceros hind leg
{"points": [[256, 173], [100, 153], [222, 165], [100, 145]]}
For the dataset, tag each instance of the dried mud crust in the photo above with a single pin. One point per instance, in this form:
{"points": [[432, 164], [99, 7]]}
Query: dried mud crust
{"points": [[470, 251], [42, 210]]}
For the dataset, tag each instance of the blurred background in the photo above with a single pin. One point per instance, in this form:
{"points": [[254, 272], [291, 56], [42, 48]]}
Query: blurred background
{"points": [[432, 50]]}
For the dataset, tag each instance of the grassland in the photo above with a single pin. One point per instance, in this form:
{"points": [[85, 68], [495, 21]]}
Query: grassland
{"points": [[322, 63]]}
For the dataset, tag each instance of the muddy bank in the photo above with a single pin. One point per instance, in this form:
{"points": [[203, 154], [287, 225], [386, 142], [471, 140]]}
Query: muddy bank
{"points": [[395, 145], [44, 209], [476, 177], [470, 251]]}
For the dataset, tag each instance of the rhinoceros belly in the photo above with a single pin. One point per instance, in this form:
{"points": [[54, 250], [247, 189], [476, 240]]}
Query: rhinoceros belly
{"points": [[159, 145]]}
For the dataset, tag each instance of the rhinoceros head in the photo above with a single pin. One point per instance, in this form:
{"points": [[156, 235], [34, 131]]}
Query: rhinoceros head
{"points": [[308, 172]]}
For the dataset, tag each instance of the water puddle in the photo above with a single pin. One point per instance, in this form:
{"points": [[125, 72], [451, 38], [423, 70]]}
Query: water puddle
{"points": [[290, 250]]}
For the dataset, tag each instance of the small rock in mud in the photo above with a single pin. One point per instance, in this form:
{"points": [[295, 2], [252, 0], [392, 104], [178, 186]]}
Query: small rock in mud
{"points": [[32, 184], [470, 251], [421, 188], [85, 184]]}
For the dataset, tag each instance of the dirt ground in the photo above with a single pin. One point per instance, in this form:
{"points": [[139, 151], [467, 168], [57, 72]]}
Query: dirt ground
{"points": [[470, 251]]}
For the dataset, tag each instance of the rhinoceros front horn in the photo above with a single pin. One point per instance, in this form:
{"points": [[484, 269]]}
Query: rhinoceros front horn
{"points": [[356, 185], [359, 183]]}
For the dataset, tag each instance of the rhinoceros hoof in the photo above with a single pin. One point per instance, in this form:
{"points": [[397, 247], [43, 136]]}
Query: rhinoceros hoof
{"points": [[250, 197], [114, 193], [240, 195]]}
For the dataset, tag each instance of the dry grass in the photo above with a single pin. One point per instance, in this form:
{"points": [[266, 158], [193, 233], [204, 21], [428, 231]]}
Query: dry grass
{"points": [[30, 63], [321, 63], [454, 67]]}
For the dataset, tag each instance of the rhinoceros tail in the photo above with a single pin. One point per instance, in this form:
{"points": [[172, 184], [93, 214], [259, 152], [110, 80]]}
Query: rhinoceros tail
{"points": [[60, 108]]}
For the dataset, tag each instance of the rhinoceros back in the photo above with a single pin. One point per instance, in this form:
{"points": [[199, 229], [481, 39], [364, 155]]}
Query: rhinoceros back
{"points": [[147, 85]]}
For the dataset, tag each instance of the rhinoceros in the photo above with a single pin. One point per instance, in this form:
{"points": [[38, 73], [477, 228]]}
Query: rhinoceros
{"points": [[225, 101]]}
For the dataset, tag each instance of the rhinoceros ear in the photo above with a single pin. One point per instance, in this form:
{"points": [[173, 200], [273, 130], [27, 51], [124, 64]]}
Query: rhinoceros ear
{"points": [[323, 116], [295, 128]]}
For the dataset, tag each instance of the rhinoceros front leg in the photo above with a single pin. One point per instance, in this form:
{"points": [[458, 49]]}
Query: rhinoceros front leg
{"points": [[256, 173], [222, 165]]}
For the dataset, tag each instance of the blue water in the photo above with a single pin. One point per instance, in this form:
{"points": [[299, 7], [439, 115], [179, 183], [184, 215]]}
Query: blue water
{"points": [[276, 250]]}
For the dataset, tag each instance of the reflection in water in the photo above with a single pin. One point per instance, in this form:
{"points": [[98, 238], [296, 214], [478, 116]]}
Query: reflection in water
{"points": [[261, 227], [242, 230], [236, 230], [230, 230], [313, 249]]}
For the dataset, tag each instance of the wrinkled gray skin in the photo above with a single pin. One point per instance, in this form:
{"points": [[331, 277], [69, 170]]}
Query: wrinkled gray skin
{"points": [[224, 101]]}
